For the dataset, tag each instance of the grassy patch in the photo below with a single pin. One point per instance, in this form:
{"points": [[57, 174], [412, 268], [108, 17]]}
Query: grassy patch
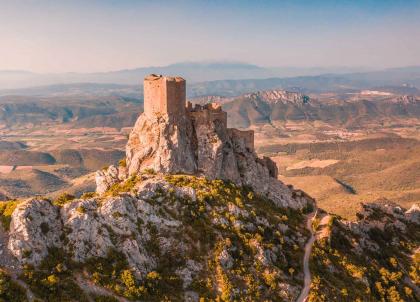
{"points": [[6, 211], [63, 199], [126, 186]]}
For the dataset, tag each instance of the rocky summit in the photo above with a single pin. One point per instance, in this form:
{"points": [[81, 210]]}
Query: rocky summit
{"points": [[173, 137], [193, 214]]}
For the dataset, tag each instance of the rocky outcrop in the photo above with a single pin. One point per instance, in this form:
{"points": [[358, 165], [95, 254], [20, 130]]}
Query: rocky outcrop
{"points": [[279, 96], [174, 222], [204, 147], [35, 227], [201, 144], [413, 213], [88, 228], [162, 144], [386, 217], [106, 178], [379, 250]]}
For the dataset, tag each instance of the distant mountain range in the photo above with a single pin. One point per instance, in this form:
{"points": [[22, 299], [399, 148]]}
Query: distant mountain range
{"points": [[223, 79], [267, 107], [192, 72]]}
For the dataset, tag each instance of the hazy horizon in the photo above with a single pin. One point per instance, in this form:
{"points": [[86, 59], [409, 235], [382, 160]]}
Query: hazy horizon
{"points": [[214, 62], [99, 36]]}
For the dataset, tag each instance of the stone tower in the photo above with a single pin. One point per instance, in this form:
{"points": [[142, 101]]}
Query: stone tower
{"points": [[164, 96]]}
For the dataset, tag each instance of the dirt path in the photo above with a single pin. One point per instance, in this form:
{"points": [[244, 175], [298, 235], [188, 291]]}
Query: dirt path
{"points": [[308, 248]]}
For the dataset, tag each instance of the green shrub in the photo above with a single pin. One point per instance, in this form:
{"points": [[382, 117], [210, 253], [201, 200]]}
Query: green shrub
{"points": [[6, 211], [149, 171], [63, 199], [88, 195], [126, 186], [104, 299], [52, 281], [81, 210], [123, 163], [10, 291], [44, 228]]}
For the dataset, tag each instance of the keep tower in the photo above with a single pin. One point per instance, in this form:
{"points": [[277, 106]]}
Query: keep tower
{"points": [[164, 96]]}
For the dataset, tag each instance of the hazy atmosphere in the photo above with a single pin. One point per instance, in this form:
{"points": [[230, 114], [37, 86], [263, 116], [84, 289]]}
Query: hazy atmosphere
{"points": [[91, 36], [209, 151]]}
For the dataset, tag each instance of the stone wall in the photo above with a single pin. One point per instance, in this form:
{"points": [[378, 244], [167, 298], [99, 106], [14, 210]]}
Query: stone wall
{"points": [[245, 137], [209, 113]]}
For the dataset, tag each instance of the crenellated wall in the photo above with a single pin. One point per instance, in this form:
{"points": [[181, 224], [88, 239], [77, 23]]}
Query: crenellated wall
{"points": [[208, 113]]}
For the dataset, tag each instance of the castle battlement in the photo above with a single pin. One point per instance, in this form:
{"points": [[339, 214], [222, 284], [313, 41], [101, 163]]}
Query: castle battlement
{"points": [[211, 112]]}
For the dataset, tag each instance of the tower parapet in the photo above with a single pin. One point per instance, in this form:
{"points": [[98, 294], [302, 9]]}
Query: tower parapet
{"points": [[164, 96]]}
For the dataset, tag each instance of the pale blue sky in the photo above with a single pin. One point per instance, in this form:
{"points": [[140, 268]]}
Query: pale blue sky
{"points": [[87, 36]]}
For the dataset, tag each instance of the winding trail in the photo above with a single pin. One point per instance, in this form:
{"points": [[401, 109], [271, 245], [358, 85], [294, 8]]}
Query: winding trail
{"points": [[308, 248]]}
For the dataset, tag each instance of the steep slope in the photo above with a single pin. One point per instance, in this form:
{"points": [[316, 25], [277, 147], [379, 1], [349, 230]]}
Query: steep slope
{"points": [[163, 236], [373, 259]]}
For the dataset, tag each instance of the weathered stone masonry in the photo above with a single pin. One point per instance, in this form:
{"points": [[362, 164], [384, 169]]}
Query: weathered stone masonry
{"points": [[167, 96], [164, 95]]}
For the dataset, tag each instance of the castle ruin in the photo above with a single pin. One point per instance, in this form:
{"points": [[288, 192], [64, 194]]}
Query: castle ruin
{"points": [[164, 95], [173, 136]]}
